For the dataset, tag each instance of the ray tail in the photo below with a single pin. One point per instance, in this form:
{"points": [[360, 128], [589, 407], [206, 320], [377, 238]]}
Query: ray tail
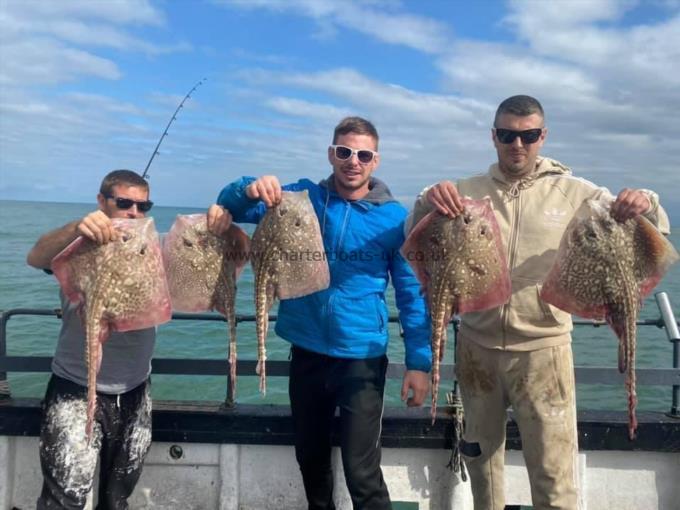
{"points": [[438, 313], [262, 324], [622, 318]]}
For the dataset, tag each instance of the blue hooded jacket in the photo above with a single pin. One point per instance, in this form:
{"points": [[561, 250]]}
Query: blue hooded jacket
{"points": [[362, 240]]}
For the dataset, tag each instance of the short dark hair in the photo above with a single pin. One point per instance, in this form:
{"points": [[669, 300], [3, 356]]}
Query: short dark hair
{"points": [[355, 125], [127, 177], [522, 106]]}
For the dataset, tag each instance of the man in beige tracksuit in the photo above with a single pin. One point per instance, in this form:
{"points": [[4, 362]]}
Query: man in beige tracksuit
{"points": [[519, 354]]}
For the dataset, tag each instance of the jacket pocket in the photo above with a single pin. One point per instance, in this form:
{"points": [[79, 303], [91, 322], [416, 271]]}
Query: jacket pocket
{"points": [[299, 319], [356, 317], [550, 313], [530, 315]]}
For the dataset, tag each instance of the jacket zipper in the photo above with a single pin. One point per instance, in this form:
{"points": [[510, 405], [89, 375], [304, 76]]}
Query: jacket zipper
{"points": [[512, 252], [336, 247]]}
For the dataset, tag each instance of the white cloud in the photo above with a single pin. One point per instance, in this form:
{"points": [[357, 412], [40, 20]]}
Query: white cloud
{"points": [[46, 61], [101, 35], [568, 32], [52, 42], [544, 16], [307, 109], [380, 20], [393, 101], [101, 103], [486, 70], [113, 11]]}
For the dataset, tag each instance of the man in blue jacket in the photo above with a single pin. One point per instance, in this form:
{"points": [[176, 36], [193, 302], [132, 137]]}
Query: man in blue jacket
{"points": [[339, 335]]}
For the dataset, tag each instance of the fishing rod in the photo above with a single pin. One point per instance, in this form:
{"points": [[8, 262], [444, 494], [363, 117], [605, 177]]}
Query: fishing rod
{"points": [[165, 133]]}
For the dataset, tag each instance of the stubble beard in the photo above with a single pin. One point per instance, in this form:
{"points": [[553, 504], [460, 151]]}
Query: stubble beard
{"points": [[516, 171]]}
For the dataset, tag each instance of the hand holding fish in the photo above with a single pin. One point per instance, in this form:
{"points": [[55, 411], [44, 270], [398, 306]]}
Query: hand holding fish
{"points": [[630, 203], [418, 383], [120, 286], [267, 188], [604, 268], [97, 226], [282, 235], [444, 196], [219, 220], [203, 257], [461, 263]]}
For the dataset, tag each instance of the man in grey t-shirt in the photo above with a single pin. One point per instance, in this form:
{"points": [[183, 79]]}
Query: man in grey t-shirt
{"points": [[122, 430]]}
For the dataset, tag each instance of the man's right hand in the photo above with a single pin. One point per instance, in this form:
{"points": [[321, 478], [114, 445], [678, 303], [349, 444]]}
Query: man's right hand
{"points": [[98, 227], [267, 188], [444, 196]]}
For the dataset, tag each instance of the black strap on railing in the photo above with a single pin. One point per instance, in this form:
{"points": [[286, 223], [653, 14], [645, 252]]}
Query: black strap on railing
{"points": [[455, 408]]}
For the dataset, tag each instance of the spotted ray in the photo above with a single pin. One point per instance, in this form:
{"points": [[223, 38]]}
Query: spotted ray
{"points": [[603, 270], [461, 265], [202, 270], [120, 286], [288, 262]]}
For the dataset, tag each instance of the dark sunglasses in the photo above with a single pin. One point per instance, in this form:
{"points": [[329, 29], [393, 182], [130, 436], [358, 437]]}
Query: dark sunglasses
{"points": [[126, 203], [344, 153], [527, 136]]}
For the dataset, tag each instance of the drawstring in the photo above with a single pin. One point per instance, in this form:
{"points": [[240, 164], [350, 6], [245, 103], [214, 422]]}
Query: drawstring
{"points": [[118, 401], [517, 186], [325, 207], [344, 222]]}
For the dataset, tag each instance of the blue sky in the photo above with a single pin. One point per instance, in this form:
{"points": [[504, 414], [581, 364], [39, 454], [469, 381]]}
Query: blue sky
{"points": [[88, 86]]}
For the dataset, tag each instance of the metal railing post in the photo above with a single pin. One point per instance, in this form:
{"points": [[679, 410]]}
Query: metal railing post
{"points": [[229, 402], [4, 384], [671, 326]]}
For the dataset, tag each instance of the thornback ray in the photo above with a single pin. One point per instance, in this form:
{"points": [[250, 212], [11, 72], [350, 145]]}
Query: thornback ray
{"points": [[603, 270], [286, 255], [461, 265], [202, 270], [119, 286]]}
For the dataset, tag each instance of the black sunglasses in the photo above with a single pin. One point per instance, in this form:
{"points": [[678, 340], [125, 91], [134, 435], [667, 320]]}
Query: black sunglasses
{"points": [[527, 136], [344, 153], [126, 203]]}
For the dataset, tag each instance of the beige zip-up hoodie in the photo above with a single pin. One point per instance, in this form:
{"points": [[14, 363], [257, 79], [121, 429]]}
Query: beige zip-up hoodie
{"points": [[532, 214]]}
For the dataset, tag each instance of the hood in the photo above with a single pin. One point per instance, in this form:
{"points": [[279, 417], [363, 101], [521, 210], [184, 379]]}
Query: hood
{"points": [[378, 192], [544, 166]]}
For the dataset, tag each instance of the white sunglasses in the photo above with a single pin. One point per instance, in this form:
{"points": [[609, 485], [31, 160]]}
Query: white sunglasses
{"points": [[344, 153]]}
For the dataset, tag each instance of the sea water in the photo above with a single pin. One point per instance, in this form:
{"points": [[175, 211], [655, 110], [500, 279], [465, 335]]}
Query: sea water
{"points": [[22, 223]]}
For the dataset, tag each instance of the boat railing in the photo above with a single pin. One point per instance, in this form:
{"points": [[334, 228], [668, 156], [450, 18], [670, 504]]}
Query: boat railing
{"points": [[220, 367]]}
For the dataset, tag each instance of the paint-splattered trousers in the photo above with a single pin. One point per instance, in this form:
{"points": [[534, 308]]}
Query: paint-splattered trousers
{"points": [[317, 385], [121, 438], [539, 386]]}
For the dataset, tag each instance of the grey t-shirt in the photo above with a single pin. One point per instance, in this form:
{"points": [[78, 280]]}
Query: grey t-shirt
{"points": [[126, 357]]}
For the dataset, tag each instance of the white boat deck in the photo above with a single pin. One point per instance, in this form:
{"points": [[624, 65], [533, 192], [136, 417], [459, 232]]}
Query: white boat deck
{"points": [[266, 477]]}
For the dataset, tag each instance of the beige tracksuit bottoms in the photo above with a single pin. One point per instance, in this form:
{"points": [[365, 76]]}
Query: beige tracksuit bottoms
{"points": [[539, 386]]}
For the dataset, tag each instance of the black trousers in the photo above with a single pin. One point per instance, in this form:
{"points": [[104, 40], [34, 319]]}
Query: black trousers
{"points": [[120, 439], [317, 385]]}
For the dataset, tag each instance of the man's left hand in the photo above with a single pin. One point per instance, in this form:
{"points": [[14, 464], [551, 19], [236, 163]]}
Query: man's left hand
{"points": [[629, 204], [219, 220], [418, 383]]}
